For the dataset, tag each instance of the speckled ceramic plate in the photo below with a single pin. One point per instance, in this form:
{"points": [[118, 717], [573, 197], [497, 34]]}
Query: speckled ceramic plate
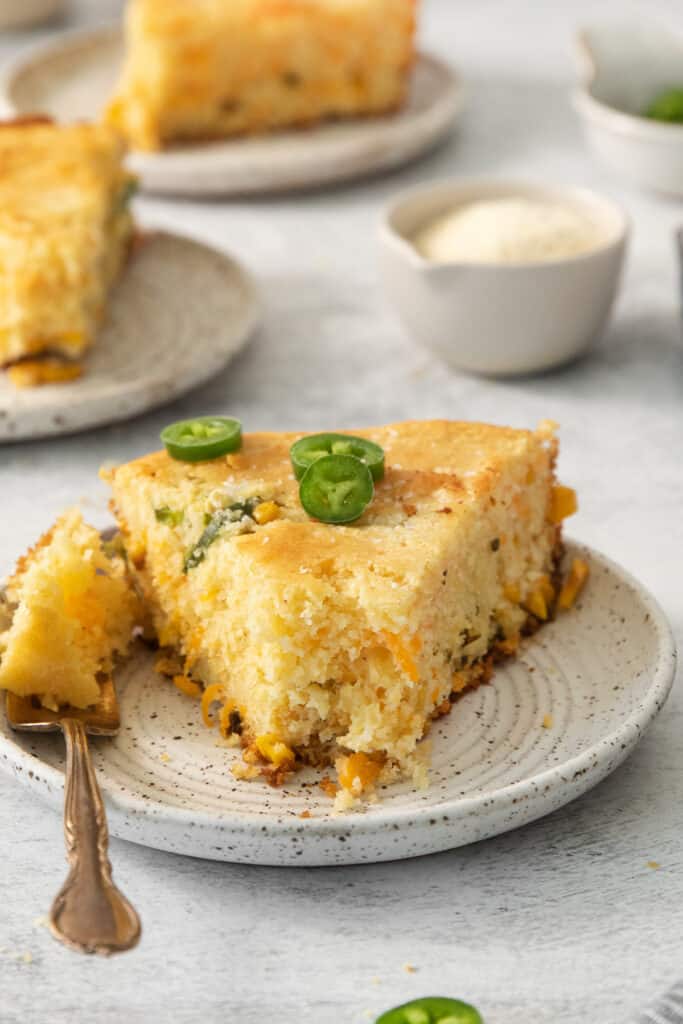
{"points": [[179, 313], [602, 671], [73, 76]]}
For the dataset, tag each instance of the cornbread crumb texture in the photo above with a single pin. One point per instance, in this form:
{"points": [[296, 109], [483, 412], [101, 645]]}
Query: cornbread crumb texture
{"points": [[73, 612], [65, 228], [340, 644], [218, 68]]}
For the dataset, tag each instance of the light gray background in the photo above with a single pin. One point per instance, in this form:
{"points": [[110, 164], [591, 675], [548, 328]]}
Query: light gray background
{"points": [[563, 921]]}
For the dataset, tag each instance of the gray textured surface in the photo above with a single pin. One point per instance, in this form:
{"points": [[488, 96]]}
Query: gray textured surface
{"points": [[560, 922]]}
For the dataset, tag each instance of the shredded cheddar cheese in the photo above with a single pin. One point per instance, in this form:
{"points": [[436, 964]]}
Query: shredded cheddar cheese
{"points": [[188, 686], [403, 654], [210, 696]]}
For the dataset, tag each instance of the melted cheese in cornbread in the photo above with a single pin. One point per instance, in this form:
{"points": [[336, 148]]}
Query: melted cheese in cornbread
{"points": [[215, 68], [73, 611], [64, 233], [329, 639]]}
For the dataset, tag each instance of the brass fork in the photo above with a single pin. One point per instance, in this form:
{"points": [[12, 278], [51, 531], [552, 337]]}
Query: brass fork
{"points": [[89, 914]]}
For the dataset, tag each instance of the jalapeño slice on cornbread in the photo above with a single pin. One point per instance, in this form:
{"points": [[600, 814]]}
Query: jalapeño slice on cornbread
{"points": [[65, 230], [218, 68], [325, 643]]}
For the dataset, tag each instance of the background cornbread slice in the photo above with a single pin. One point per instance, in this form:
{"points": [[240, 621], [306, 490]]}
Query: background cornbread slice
{"points": [[65, 230], [331, 639], [216, 68], [73, 610]]}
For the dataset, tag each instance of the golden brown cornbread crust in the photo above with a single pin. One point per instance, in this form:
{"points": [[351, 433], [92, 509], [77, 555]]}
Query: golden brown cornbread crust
{"points": [[327, 639], [64, 234], [220, 68]]}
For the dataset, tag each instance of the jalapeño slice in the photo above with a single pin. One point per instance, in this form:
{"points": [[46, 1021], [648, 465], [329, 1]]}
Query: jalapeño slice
{"points": [[432, 1010], [336, 488], [305, 452], [205, 438]]}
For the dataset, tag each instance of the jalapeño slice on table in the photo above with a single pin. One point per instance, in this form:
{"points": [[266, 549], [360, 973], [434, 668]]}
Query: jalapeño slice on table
{"points": [[336, 488], [202, 439], [305, 452], [432, 1010]]}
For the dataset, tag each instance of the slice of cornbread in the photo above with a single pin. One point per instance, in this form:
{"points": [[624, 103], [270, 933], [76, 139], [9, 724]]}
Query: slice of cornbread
{"points": [[65, 230], [320, 642], [72, 611], [217, 68]]}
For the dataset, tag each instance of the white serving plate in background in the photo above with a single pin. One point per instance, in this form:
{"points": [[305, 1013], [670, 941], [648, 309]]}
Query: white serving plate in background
{"points": [[180, 311], [25, 13], [72, 77], [602, 671]]}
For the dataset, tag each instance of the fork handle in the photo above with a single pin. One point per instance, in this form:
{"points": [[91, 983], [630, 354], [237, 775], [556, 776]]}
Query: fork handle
{"points": [[90, 914]]}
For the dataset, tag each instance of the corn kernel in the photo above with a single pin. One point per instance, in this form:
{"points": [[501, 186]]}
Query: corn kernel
{"points": [[536, 604], [573, 585], [266, 512], [511, 593], [547, 589], [563, 503], [274, 750]]}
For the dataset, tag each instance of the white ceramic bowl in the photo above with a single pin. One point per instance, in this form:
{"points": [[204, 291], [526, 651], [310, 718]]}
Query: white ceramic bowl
{"points": [[622, 69], [500, 319], [23, 13]]}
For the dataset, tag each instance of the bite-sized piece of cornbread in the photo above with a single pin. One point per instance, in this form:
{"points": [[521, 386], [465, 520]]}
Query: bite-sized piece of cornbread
{"points": [[72, 611], [217, 68], [65, 230], [318, 642]]}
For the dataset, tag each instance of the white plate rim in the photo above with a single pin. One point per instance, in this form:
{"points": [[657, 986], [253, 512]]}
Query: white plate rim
{"points": [[142, 395], [582, 771], [407, 135]]}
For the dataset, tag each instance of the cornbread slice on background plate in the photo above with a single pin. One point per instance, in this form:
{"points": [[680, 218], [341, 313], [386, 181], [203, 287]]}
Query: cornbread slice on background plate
{"points": [[180, 312], [71, 613], [73, 77], [65, 231], [219, 68], [339, 644]]}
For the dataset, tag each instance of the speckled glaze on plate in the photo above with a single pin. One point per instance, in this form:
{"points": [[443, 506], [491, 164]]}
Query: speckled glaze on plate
{"points": [[180, 311], [602, 671], [72, 77]]}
